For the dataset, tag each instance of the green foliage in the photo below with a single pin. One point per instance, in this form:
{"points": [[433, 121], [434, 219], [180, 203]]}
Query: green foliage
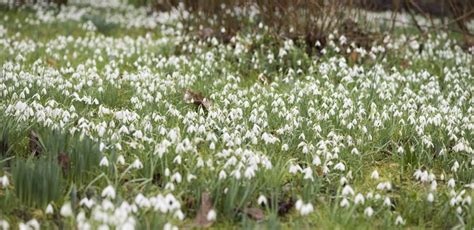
{"points": [[37, 181]]}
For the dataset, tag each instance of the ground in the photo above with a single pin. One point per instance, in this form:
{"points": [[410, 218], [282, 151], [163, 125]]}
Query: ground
{"points": [[113, 116]]}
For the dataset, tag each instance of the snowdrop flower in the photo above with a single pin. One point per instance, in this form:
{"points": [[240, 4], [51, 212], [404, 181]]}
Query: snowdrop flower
{"points": [[344, 203], [211, 215], [359, 199], [4, 181], [262, 200], [33, 224], [340, 166], [375, 175], [400, 150], [87, 202], [295, 169], [191, 177], [430, 197], [455, 166], [49, 209], [137, 164], [102, 147], [384, 186], [399, 221], [109, 192], [451, 183], [104, 162], [299, 204], [169, 226], [306, 209], [387, 202], [316, 160], [343, 180], [347, 190], [179, 215], [23, 226], [176, 177], [4, 225], [467, 200], [222, 175], [433, 185], [121, 160], [369, 211], [66, 210], [308, 174]]}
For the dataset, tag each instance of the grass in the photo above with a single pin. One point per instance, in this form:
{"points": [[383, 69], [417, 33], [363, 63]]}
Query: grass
{"points": [[107, 107]]}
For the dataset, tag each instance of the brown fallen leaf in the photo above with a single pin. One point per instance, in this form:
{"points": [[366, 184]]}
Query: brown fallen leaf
{"points": [[254, 213], [404, 64], [35, 147], [354, 56], [51, 62], [468, 42], [285, 206], [206, 206], [64, 161], [206, 33], [197, 99]]}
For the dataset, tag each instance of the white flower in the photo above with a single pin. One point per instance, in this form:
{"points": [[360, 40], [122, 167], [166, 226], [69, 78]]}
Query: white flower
{"points": [[384, 186], [49, 209], [101, 130], [191, 177], [347, 190], [306, 209], [176, 177], [340, 166], [375, 175], [33, 224], [211, 215], [433, 186], [387, 201], [109, 192], [4, 181], [121, 160], [359, 199], [4, 225], [369, 211], [295, 169], [467, 200], [179, 214], [344, 203], [137, 164], [455, 166], [169, 226], [308, 174], [87, 202], [222, 175], [399, 221], [316, 160], [451, 183], [104, 162], [102, 146], [66, 210], [299, 204], [430, 197]]}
